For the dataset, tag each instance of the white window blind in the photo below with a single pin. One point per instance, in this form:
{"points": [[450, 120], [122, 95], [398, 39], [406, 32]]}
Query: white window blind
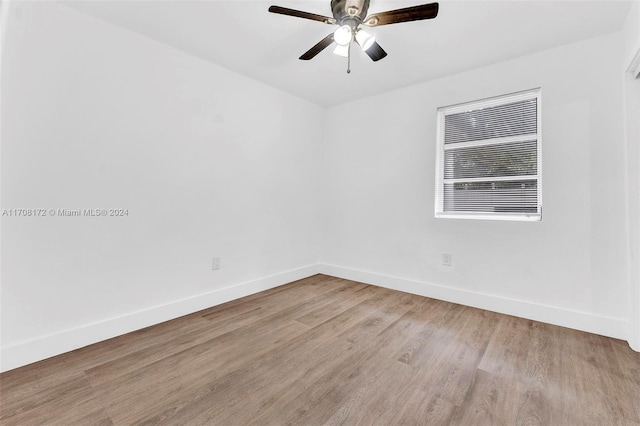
{"points": [[489, 158]]}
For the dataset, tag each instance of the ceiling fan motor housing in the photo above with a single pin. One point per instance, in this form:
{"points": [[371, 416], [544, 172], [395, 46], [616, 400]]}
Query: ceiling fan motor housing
{"points": [[349, 10]]}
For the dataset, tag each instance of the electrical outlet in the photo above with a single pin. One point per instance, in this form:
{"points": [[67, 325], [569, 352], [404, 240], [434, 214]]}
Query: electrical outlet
{"points": [[216, 263], [446, 259]]}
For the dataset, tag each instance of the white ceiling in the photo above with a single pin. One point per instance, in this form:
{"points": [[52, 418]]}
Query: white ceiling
{"points": [[244, 37]]}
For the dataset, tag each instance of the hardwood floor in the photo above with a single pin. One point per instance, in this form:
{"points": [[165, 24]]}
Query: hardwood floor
{"points": [[329, 351]]}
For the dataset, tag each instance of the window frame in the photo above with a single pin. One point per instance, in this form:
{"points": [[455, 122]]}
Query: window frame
{"points": [[442, 112]]}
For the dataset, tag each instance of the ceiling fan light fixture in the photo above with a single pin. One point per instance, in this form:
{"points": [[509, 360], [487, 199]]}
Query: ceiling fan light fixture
{"points": [[342, 36], [364, 39], [342, 51]]}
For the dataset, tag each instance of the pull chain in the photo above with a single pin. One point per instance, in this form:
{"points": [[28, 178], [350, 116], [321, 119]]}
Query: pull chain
{"points": [[349, 58]]}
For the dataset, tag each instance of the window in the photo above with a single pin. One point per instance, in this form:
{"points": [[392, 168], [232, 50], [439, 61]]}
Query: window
{"points": [[488, 159]]}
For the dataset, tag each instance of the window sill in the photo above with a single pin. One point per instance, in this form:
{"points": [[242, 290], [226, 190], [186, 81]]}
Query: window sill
{"points": [[518, 217]]}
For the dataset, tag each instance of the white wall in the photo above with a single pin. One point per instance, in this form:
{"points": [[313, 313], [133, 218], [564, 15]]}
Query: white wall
{"points": [[208, 163], [569, 269], [631, 33]]}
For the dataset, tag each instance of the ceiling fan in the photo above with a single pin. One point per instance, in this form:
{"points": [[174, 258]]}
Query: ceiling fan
{"points": [[350, 16]]}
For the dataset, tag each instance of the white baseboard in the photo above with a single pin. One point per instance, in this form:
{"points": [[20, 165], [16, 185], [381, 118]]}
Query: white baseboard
{"points": [[27, 352], [579, 320]]}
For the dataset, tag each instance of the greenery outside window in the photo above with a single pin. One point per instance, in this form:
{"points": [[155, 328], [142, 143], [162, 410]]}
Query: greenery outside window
{"points": [[489, 159]]}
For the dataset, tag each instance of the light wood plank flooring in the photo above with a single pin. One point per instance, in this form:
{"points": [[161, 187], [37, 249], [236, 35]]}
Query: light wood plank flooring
{"points": [[329, 351]]}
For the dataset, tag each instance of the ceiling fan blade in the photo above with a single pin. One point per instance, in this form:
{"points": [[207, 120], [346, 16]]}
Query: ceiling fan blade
{"points": [[375, 52], [300, 14], [319, 47], [414, 13]]}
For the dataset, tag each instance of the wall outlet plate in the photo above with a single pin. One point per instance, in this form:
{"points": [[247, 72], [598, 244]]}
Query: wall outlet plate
{"points": [[446, 259], [216, 263]]}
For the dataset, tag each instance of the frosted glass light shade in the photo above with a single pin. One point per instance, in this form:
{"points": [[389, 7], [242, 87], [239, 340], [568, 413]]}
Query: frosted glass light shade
{"points": [[364, 39], [342, 35], [342, 51]]}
